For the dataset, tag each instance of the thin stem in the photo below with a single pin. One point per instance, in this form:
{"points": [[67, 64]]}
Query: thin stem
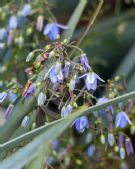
{"points": [[90, 24]]}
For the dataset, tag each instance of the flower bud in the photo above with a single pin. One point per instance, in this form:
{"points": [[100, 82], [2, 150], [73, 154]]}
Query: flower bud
{"points": [[74, 104], [116, 149], [47, 47], [132, 130], [25, 121], [29, 56], [102, 139], [41, 99], [111, 139], [122, 153], [37, 65], [29, 31]]}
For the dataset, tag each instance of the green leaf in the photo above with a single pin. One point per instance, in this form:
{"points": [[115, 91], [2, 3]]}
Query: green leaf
{"points": [[67, 34]]}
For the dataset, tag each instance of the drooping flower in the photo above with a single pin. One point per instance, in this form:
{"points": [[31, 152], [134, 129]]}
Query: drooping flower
{"points": [[81, 124], [26, 11], [53, 30], [30, 91], [13, 22], [39, 23], [25, 121], [66, 110], [41, 99], [129, 146], [122, 120], [3, 96], [8, 111], [91, 80], [84, 62], [91, 150], [56, 74], [104, 100], [2, 33]]}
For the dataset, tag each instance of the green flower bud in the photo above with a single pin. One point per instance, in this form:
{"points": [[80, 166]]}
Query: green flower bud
{"points": [[102, 139], [116, 149], [29, 56], [132, 130]]}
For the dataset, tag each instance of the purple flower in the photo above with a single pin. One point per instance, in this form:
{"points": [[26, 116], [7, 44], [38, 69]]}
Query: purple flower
{"points": [[129, 146], [84, 62], [56, 74], [122, 120], [81, 123], [91, 150], [91, 80], [13, 22], [53, 30], [26, 11], [2, 33], [30, 91], [8, 111], [66, 69], [66, 110], [3, 96], [41, 99], [10, 37]]}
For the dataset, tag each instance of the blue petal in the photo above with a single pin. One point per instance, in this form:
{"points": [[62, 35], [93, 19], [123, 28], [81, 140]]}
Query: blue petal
{"points": [[54, 32], [87, 84], [47, 28], [117, 120], [94, 85], [53, 77]]}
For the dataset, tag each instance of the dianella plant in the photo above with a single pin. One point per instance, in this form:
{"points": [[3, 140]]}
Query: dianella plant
{"points": [[57, 119]]}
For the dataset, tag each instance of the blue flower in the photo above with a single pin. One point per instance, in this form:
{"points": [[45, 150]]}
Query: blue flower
{"points": [[26, 11], [56, 74], [91, 150], [53, 30], [91, 80], [122, 120], [3, 96], [84, 62], [66, 110], [30, 91], [13, 22], [2, 33], [81, 123], [104, 100], [12, 97]]}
